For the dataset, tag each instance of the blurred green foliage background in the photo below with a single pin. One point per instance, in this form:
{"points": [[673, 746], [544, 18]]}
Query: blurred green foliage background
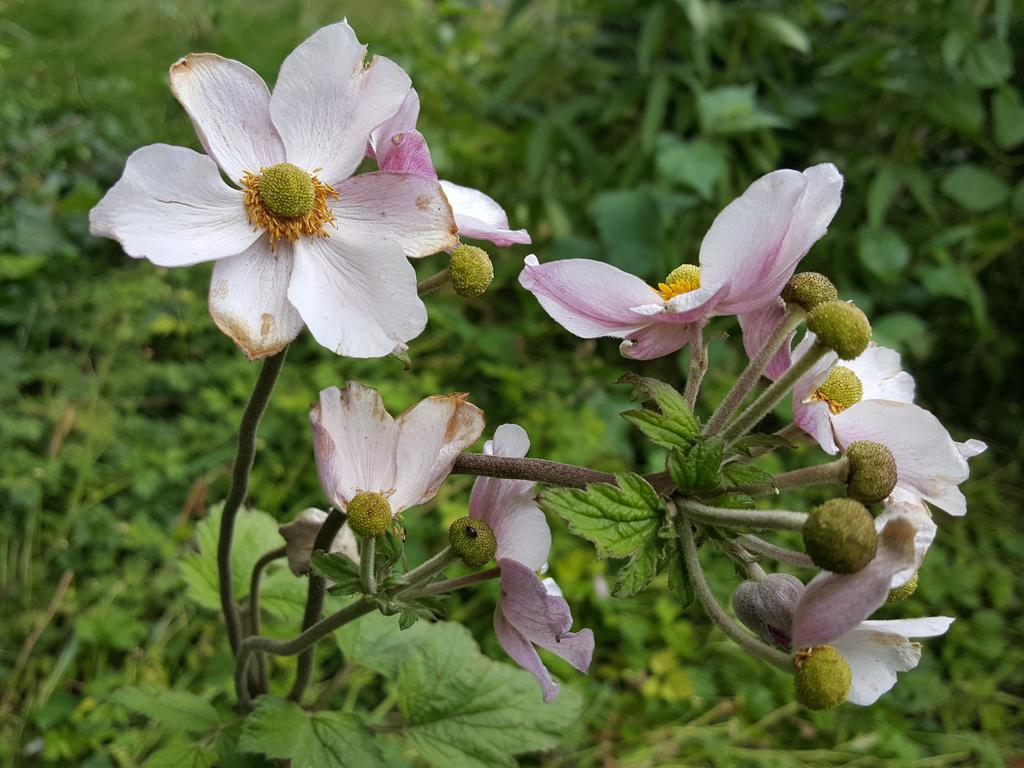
{"points": [[612, 129]]}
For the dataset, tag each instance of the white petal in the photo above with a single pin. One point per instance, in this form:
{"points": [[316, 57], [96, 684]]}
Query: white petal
{"points": [[357, 296], [431, 436], [326, 102], [230, 108], [404, 208], [881, 377], [875, 658], [927, 626], [971, 448], [480, 217], [249, 299], [170, 206], [924, 532], [355, 441], [509, 440], [813, 416]]}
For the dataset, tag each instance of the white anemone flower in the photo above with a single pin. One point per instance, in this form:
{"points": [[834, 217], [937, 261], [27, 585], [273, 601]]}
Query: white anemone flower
{"points": [[298, 240]]}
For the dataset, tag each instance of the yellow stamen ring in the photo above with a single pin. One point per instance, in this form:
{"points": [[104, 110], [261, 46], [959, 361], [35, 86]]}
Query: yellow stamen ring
{"points": [[287, 202], [682, 279]]}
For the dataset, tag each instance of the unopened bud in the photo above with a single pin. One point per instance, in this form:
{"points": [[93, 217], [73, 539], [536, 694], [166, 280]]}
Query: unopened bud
{"points": [[841, 327], [471, 270], [872, 471], [901, 593], [473, 541], [809, 289], [840, 536], [300, 535], [822, 679], [369, 514], [766, 606]]}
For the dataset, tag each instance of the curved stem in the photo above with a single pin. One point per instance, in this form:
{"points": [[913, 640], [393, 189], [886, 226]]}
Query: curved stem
{"points": [[254, 605], [782, 554], [367, 563], [538, 470], [427, 570], [439, 587], [833, 473], [432, 283], [315, 600], [793, 316], [240, 488], [772, 519], [732, 630]]}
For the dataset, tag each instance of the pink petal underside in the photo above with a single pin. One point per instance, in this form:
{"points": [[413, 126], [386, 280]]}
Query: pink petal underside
{"points": [[813, 416], [172, 207], [403, 120], [249, 299], [230, 108], [480, 217], [757, 326], [407, 152], [522, 652], [657, 340]]}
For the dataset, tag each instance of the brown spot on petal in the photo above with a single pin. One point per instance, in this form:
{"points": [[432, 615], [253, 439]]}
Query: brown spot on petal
{"points": [[266, 322], [423, 202]]}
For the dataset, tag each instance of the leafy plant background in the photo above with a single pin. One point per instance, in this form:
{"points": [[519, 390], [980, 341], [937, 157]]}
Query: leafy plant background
{"points": [[613, 129]]}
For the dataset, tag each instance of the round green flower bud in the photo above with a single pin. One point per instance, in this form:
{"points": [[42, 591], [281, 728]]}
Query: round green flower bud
{"points": [[872, 471], [840, 390], [809, 289], [822, 679], [471, 269], [287, 190], [369, 514], [473, 541], [840, 536], [840, 326], [900, 594]]}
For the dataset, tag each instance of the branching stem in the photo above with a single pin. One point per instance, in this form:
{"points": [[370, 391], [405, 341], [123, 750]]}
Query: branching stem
{"points": [[768, 519]]}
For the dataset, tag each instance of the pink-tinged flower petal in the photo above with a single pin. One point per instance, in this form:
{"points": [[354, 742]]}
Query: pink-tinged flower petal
{"points": [[656, 340], [356, 295], [522, 652], [170, 206], [587, 298], [355, 441], [403, 121], [300, 536], [431, 436], [694, 306], [834, 603], [757, 326], [927, 460], [401, 207], [902, 504], [811, 415], [230, 109], [407, 152], [249, 299], [540, 617], [971, 448], [327, 101], [881, 377], [480, 217], [877, 650]]}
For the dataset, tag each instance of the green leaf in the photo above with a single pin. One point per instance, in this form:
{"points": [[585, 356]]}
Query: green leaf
{"points": [[784, 31], [340, 569], [628, 222], [988, 63], [635, 575], [675, 426], [880, 194], [659, 93], [733, 109], [463, 710], [283, 730], [177, 710], [255, 534], [746, 474], [182, 752], [733, 500], [678, 577], [618, 519], [902, 331], [697, 469], [883, 251], [1008, 118], [377, 641], [760, 440], [975, 188], [697, 164]]}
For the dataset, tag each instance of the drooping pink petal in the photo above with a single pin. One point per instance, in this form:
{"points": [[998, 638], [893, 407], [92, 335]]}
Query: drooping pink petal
{"points": [[407, 152], [357, 295], [355, 441], [881, 376], [170, 206], [588, 298], [522, 652], [230, 108], [656, 340], [927, 460], [903, 504], [480, 217], [431, 435], [835, 603], [757, 327], [327, 101], [249, 299], [401, 207], [403, 121]]}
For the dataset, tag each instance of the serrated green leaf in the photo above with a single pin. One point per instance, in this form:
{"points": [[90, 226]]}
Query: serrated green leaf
{"points": [[635, 575], [376, 641], [182, 752], [463, 710], [618, 519], [746, 474], [283, 730], [675, 426], [177, 710], [697, 469], [334, 566], [678, 577]]}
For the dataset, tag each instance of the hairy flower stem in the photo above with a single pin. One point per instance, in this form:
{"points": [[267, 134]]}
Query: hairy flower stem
{"points": [[769, 519], [315, 600], [758, 409], [427, 570], [254, 606], [440, 587], [432, 283], [759, 546], [367, 564], [715, 612], [834, 473], [538, 470], [794, 315], [698, 366], [240, 488]]}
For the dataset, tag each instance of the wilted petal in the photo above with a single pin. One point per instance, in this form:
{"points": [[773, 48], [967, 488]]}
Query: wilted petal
{"points": [[902, 504], [480, 217], [431, 436], [522, 652], [401, 207], [757, 326], [327, 101], [357, 295], [230, 108], [249, 299], [300, 536], [656, 340], [170, 206]]}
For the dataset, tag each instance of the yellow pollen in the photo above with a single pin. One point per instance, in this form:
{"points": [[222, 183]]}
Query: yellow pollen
{"points": [[682, 279], [308, 218], [840, 390]]}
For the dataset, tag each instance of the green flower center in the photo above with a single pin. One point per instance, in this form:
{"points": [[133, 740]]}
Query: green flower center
{"points": [[840, 390], [287, 190], [682, 279]]}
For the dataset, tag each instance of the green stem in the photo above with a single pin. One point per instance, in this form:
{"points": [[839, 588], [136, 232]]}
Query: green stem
{"points": [[244, 457], [758, 409], [833, 473], [782, 554], [254, 606], [794, 315], [697, 368], [367, 563], [770, 519], [439, 587], [427, 570], [432, 283]]}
